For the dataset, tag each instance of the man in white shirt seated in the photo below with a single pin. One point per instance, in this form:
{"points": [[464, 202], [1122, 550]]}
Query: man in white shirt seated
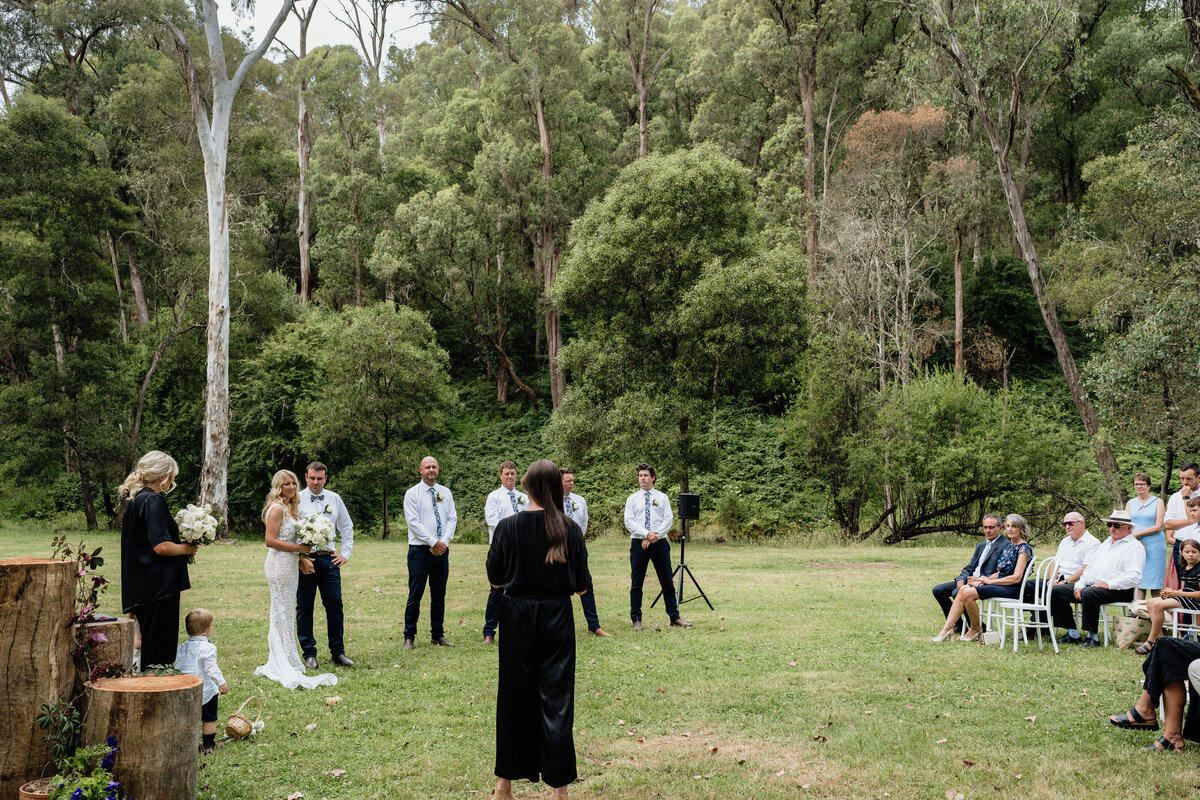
{"points": [[1115, 569], [503, 502], [1075, 552]]}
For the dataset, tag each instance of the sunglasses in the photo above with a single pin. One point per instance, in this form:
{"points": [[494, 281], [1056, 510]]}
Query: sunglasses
{"points": [[1117, 525], [1070, 524]]}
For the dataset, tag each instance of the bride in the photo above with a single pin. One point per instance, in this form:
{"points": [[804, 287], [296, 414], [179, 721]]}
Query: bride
{"points": [[280, 513]]}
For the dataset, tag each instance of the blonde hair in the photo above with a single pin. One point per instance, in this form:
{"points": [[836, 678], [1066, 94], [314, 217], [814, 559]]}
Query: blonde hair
{"points": [[151, 469], [198, 621], [276, 494]]}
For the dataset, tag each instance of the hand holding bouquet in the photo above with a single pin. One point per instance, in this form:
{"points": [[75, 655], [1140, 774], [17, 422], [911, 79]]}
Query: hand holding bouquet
{"points": [[315, 530], [197, 525]]}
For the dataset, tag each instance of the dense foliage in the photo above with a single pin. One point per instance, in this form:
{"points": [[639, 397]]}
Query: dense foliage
{"points": [[767, 245]]}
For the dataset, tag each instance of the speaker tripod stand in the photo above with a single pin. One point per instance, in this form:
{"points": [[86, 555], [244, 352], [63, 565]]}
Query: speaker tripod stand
{"points": [[681, 572]]}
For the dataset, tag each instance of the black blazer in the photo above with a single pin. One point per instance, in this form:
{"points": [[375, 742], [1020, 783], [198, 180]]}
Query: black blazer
{"points": [[993, 558]]}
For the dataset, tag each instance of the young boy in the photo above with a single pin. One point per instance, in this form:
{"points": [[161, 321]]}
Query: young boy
{"points": [[198, 656]]}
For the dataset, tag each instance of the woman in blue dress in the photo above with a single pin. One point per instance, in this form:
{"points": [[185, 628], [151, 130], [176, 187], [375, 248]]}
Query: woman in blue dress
{"points": [[1147, 512], [1005, 582]]}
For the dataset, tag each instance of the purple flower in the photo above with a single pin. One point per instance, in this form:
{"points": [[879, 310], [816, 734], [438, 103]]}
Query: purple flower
{"points": [[112, 742], [77, 794]]}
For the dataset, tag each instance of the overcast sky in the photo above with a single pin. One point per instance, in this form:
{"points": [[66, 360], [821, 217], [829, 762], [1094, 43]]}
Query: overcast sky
{"points": [[404, 29]]}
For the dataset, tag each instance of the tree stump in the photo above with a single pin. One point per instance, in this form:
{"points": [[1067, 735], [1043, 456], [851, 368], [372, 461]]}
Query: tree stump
{"points": [[37, 601], [156, 722], [117, 649]]}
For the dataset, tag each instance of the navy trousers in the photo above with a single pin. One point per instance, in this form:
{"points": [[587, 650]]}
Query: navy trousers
{"points": [[328, 581], [660, 554], [424, 567]]}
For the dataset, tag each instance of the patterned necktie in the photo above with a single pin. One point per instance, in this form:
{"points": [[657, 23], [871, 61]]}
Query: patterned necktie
{"points": [[437, 515], [647, 511], [512, 498], [567, 505]]}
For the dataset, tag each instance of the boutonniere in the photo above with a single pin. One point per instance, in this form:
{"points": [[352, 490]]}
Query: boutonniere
{"points": [[574, 506], [328, 509], [440, 497], [654, 502], [522, 501]]}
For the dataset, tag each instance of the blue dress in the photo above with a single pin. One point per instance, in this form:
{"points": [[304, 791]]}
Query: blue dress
{"points": [[1004, 568], [1144, 516]]}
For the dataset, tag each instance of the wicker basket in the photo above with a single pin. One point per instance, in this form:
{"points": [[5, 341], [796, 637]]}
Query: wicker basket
{"points": [[239, 725]]}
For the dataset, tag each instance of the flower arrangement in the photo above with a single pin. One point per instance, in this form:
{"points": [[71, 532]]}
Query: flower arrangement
{"points": [[197, 525], [82, 778], [315, 531]]}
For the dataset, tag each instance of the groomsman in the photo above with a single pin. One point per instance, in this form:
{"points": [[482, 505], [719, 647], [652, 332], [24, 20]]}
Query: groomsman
{"points": [[575, 507], [327, 577], [648, 519], [429, 511], [504, 502]]}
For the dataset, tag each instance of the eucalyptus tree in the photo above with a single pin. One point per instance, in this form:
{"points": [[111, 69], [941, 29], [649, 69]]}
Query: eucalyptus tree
{"points": [[637, 28], [212, 130]]}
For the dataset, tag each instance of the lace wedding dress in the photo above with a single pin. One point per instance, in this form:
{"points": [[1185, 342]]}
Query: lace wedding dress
{"points": [[283, 659]]}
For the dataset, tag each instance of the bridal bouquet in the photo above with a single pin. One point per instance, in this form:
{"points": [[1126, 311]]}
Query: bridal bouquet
{"points": [[197, 525], [315, 530]]}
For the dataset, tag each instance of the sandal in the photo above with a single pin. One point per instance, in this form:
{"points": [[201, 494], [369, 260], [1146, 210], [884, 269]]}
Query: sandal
{"points": [[1164, 745], [1132, 720], [1144, 648]]}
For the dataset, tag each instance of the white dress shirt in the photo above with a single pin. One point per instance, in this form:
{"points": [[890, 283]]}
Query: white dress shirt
{"points": [[1176, 507], [418, 513], [198, 656], [1119, 564], [1190, 532], [985, 552], [660, 514], [1073, 556], [331, 507], [575, 507], [499, 504]]}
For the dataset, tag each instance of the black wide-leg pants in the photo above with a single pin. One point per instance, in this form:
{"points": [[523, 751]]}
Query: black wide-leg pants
{"points": [[535, 699]]}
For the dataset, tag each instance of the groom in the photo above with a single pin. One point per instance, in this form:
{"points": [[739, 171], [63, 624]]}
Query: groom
{"points": [[327, 577]]}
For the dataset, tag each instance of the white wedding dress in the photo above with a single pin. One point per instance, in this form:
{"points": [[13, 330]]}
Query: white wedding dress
{"points": [[283, 658]]}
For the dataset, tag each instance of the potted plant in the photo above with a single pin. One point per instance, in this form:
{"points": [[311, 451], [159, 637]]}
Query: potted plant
{"points": [[82, 773]]}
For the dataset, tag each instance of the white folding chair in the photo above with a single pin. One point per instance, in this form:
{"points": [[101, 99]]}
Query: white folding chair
{"points": [[1011, 611], [1181, 628]]}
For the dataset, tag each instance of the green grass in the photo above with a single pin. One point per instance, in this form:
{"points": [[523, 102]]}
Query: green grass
{"points": [[814, 677]]}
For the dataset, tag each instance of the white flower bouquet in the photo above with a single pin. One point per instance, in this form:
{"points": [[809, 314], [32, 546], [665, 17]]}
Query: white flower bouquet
{"points": [[197, 525], [315, 530]]}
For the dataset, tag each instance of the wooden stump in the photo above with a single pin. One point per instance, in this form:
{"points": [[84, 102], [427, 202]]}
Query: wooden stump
{"points": [[116, 649], [156, 722], [37, 600]]}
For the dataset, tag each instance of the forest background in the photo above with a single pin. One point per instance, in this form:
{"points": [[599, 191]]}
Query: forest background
{"points": [[845, 268]]}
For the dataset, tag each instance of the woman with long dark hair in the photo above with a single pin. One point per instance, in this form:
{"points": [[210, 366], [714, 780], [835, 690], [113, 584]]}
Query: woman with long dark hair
{"points": [[539, 558]]}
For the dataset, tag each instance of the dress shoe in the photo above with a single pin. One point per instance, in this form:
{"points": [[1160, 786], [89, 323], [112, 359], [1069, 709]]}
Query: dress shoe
{"points": [[1067, 638], [603, 634], [637, 626], [970, 637], [944, 636], [310, 662], [409, 644], [443, 642], [342, 660], [678, 623], [489, 640], [1090, 642]]}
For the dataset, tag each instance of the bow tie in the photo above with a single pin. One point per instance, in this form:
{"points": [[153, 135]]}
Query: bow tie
{"points": [[317, 498]]}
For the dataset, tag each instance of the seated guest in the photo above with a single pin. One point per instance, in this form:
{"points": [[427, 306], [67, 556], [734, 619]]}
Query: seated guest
{"points": [[1004, 582], [983, 562], [1187, 596], [1115, 570], [1171, 662], [1075, 552]]}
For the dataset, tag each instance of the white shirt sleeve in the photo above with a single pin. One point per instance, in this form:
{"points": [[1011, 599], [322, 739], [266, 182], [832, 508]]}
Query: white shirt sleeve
{"points": [[583, 515], [345, 528], [493, 512], [633, 522], [451, 518], [208, 665], [1132, 566], [664, 523], [412, 515]]}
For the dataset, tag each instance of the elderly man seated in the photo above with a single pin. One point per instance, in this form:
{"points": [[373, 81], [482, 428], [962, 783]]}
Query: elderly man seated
{"points": [[1075, 552], [1115, 570]]}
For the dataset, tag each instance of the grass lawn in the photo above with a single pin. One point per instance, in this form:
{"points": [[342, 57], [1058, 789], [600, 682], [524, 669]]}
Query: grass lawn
{"points": [[814, 677]]}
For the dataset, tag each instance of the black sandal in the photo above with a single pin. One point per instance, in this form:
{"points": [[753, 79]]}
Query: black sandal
{"points": [[1144, 648], [1164, 745], [1132, 720]]}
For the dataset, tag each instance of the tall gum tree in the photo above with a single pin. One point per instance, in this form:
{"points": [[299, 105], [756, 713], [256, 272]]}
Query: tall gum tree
{"points": [[1011, 51], [212, 129]]}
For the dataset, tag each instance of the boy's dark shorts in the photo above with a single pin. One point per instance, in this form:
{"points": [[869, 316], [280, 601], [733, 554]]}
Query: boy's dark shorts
{"points": [[208, 711]]}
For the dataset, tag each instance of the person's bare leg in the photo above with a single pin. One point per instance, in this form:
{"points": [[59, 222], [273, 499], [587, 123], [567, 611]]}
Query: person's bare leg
{"points": [[972, 609], [503, 789], [1155, 608], [1173, 698], [956, 611]]}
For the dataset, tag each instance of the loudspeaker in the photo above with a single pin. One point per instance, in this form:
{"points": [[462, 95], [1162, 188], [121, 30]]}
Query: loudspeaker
{"points": [[689, 506]]}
